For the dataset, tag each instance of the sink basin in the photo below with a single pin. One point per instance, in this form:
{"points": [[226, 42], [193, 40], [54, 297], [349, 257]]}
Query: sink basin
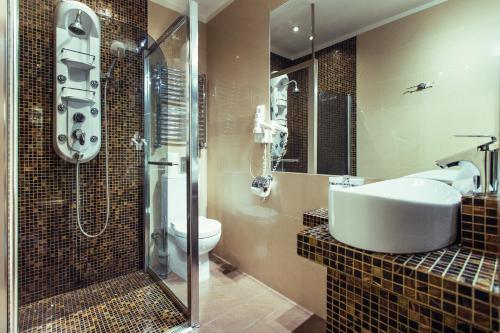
{"points": [[404, 215]]}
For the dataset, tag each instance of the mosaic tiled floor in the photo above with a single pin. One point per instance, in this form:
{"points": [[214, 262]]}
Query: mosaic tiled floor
{"points": [[130, 303]]}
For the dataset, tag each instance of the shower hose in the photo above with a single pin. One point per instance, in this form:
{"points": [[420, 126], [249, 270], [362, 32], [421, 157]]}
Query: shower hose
{"points": [[107, 175]]}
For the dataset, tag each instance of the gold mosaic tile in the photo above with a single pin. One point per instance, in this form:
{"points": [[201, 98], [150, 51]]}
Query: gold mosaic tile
{"points": [[315, 217], [53, 256], [480, 224], [132, 303], [455, 281], [356, 305]]}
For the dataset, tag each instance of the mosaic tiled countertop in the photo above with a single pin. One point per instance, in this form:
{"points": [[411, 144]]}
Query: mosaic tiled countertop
{"points": [[455, 280]]}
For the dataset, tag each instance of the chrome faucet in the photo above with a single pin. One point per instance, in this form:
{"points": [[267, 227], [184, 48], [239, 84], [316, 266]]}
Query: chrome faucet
{"points": [[482, 160]]}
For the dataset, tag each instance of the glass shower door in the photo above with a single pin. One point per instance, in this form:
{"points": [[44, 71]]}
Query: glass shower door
{"points": [[334, 132], [170, 131]]}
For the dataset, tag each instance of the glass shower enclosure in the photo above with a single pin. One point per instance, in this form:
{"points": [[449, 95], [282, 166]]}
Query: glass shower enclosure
{"points": [[170, 145], [171, 161]]}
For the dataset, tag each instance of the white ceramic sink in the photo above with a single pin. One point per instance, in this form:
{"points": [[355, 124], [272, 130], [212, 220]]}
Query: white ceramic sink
{"points": [[404, 215]]}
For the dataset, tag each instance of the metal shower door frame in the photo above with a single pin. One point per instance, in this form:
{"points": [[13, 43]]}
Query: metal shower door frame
{"points": [[192, 165], [9, 32], [193, 169]]}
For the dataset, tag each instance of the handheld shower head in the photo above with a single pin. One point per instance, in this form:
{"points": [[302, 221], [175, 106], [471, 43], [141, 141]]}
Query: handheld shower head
{"points": [[118, 50], [76, 27], [109, 73], [296, 89]]}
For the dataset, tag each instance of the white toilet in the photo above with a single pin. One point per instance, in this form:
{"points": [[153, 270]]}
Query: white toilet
{"points": [[209, 236], [173, 188]]}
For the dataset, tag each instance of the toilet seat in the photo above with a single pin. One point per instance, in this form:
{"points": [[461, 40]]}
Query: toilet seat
{"points": [[207, 228]]}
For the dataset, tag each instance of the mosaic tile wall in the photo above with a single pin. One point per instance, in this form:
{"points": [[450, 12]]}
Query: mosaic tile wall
{"points": [[355, 305], [315, 217], [336, 77], [480, 224], [53, 256], [458, 284], [332, 133]]}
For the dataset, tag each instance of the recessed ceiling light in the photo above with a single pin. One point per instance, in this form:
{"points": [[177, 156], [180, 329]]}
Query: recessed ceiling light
{"points": [[311, 37], [295, 28]]}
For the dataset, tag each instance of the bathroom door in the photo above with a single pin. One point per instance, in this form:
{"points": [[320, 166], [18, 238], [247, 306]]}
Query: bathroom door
{"points": [[171, 161]]}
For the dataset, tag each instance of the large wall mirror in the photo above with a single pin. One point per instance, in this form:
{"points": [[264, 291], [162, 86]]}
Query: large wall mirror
{"points": [[382, 90]]}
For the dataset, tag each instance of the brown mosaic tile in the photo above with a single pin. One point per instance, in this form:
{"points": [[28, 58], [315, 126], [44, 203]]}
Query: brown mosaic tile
{"points": [[53, 256], [315, 217], [336, 79], [130, 303], [456, 281], [357, 305], [480, 224]]}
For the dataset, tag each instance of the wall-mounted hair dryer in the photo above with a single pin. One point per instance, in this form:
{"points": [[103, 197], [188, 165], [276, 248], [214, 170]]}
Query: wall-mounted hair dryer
{"points": [[263, 130]]}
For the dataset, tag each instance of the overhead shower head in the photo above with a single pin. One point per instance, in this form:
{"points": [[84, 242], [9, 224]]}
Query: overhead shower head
{"points": [[284, 82], [77, 27]]}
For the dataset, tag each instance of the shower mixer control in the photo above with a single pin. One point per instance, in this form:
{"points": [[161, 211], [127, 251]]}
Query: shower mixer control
{"points": [[79, 135], [61, 78], [78, 117]]}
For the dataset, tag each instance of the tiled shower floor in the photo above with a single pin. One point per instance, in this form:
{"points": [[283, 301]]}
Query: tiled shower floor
{"points": [[130, 303], [230, 301]]}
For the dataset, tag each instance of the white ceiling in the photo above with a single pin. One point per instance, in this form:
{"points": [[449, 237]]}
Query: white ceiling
{"points": [[336, 20], [207, 9]]}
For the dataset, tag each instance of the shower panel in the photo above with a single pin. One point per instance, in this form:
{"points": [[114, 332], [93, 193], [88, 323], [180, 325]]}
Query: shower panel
{"points": [[77, 94], [77, 115]]}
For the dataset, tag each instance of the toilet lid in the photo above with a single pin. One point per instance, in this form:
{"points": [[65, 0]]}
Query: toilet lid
{"points": [[207, 228]]}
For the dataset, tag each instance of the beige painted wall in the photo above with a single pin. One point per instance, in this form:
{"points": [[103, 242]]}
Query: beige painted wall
{"points": [[258, 237], [457, 45]]}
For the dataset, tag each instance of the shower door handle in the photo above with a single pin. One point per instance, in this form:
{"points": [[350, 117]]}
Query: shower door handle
{"points": [[162, 163]]}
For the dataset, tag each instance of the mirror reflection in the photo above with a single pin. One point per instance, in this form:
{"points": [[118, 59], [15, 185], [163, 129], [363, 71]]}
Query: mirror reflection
{"points": [[386, 93]]}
